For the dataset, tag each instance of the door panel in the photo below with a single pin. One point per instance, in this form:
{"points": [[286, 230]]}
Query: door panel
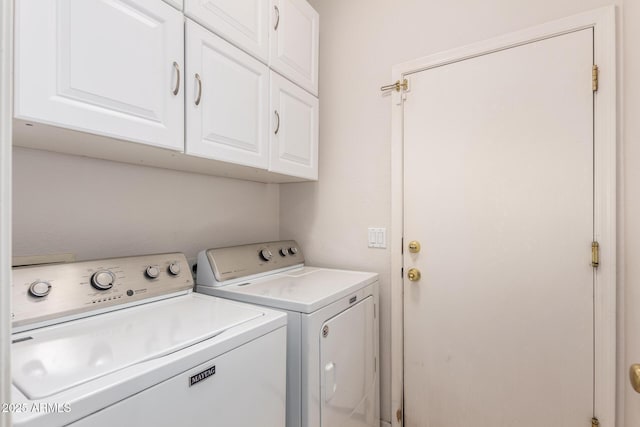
{"points": [[242, 23], [294, 135], [69, 74], [348, 368], [175, 3], [499, 192], [230, 121], [294, 42]]}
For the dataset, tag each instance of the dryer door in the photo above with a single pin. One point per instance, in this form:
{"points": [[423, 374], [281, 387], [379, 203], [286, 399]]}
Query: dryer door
{"points": [[348, 368]]}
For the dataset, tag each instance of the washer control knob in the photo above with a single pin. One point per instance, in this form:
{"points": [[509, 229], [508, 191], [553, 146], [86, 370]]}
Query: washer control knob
{"points": [[174, 268], [40, 289], [152, 272], [284, 251], [102, 280], [266, 254], [293, 250]]}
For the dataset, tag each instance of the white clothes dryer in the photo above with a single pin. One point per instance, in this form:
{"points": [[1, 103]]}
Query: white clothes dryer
{"points": [[125, 342], [332, 327]]}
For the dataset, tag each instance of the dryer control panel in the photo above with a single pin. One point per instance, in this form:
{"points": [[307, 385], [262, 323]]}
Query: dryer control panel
{"points": [[249, 260], [43, 293]]}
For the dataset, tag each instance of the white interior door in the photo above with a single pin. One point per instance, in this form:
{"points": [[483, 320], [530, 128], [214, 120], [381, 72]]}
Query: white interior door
{"points": [[498, 189]]}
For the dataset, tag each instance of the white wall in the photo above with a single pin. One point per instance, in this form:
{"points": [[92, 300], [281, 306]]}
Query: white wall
{"points": [[97, 208], [359, 43]]}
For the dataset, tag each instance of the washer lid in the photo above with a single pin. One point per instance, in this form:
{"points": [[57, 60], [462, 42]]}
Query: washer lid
{"points": [[50, 360], [304, 290]]}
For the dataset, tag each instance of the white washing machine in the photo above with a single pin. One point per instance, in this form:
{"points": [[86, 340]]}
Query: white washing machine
{"points": [[125, 342], [332, 327]]}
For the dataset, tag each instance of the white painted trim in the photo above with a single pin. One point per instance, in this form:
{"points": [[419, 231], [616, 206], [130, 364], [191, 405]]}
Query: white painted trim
{"points": [[397, 289], [603, 21], [605, 226], [6, 117]]}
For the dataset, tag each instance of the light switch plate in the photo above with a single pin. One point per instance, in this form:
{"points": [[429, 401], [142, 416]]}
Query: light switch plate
{"points": [[377, 237]]}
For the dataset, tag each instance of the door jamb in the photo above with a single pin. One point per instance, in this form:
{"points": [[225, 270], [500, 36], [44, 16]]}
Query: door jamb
{"points": [[6, 117], [603, 22]]}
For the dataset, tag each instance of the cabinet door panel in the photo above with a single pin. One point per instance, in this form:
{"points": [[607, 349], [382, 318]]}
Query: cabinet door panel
{"points": [[243, 23], [178, 4], [294, 43], [294, 139], [230, 122], [104, 67]]}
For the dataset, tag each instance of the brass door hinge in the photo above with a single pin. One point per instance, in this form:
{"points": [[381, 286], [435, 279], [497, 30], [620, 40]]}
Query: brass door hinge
{"points": [[595, 254], [594, 78], [595, 422]]}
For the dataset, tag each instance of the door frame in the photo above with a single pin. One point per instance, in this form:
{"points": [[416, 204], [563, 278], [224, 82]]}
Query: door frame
{"points": [[6, 119], [603, 22]]}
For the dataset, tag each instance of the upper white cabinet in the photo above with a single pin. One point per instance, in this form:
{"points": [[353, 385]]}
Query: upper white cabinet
{"points": [[245, 23], [227, 102], [178, 4], [112, 68], [294, 136], [294, 42], [281, 33], [119, 79]]}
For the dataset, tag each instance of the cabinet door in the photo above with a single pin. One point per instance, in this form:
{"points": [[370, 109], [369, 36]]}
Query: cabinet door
{"points": [[294, 136], [111, 68], [294, 42], [227, 101], [175, 3], [244, 23]]}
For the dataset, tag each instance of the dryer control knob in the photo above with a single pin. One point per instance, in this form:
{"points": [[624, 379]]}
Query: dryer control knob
{"points": [[293, 250], [174, 268], [102, 280], [284, 251], [266, 254], [40, 289], [152, 272]]}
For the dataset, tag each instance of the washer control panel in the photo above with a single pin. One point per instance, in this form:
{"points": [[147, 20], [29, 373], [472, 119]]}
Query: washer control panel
{"points": [[44, 292], [246, 260]]}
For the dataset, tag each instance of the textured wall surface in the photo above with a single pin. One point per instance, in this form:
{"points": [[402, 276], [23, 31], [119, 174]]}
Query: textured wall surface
{"points": [[97, 208]]}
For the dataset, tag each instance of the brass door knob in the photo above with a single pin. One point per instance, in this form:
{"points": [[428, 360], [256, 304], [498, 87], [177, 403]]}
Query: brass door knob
{"points": [[414, 246], [634, 376], [413, 274]]}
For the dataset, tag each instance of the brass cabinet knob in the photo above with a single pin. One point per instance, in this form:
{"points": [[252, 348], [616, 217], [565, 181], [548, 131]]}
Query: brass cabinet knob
{"points": [[413, 274], [634, 376], [414, 246]]}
